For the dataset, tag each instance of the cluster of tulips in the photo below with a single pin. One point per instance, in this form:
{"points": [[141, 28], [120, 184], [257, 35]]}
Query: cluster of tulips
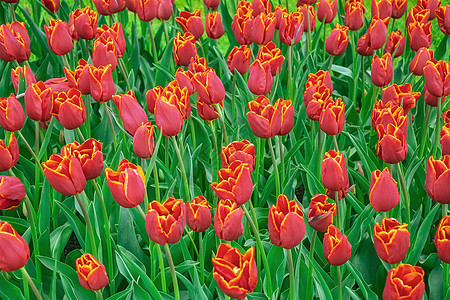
{"points": [[263, 34]]}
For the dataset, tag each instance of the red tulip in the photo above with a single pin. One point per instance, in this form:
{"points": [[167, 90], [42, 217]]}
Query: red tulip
{"points": [[38, 102], [442, 239], [12, 116], [261, 7], [198, 64], [214, 26], [446, 116], [212, 4], [243, 151], [431, 5], [207, 112], [104, 52], [337, 41], [327, 10], [235, 183], [430, 99], [287, 117], [52, 5], [260, 79], [12, 190], [443, 17], [382, 70], [279, 12], [399, 8], [239, 59], [395, 43], [263, 28], [391, 146], [242, 26], [445, 139], [263, 118], [438, 175], [83, 22], [336, 248], [165, 10], [198, 214], [389, 113], [312, 17], [143, 141], [152, 96], [9, 155], [89, 154], [354, 15], [334, 172], [315, 80], [14, 251], [383, 191], [109, 7], [321, 213], [116, 32], [437, 78], [418, 14], [58, 37], [291, 28], [420, 60], [382, 8], [14, 42], [209, 87], [404, 282], [271, 54], [184, 79], [228, 220], [391, 240], [377, 32], [145, 9], [131, 112], [420, 35], [332, 118], [91, 273], [22, 74], [101, 83], [184, 48], [68, 108], [401, 95], [362, 47], [80, 78], [191, 22]]}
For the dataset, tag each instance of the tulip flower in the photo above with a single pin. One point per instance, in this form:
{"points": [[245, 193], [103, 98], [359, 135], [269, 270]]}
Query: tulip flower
{"points": [[419, 35], [391, 240], [332, 118], [80, 78], [437, 176], [235, 183], [263, 28], [431, 5], [334, 172], [382, 70], [395, 43], [83, 22], [291, 28], [191, 22], [165, 10], [152, 96], [417, 14], [14, 251], [336, 248], [401, 95], [389, 113], [260, 79], [89, 154], [391, 146], [184, 48], [399, 8], [104, 52], [198, 214], [131, 112], [271, 54], [327, 10], [38, 102], [91, 273], [101, 83], [437, 78], [420, 60], [236, 274], [404, 282], [442, 239], [116, 32], [58, 84], [207, 112], [443, 17], [261, 7], [109, 7], [145, 9], [212, 4], [58, 37], [12, 190], [321, 213], [445, 139], [143, 141], [9, 155], [214, 26], [279, 12], [12, 116], [446, 116], [69, 109], [362, 47], [377, 32], [239, 59], [286, 223], [312, 17], [184, 79], [264, 119], [228, 220], [287, 117], [22, 73], [315, 80], [354, 15], [198, 64], [165, 221], [430, 99], [243, 151], [14, 42], [381, 8], [209, 87], [337, 41], [65, 174], [242, 26]]}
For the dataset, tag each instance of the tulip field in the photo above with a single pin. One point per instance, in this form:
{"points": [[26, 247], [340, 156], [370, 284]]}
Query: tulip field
{"points": [[225, 149]]}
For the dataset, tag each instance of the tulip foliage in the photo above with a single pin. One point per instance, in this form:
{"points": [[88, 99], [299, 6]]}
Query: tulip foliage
{"points": [[225, 149]]}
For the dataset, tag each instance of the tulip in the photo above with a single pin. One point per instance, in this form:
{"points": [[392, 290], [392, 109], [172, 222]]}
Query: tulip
{"points": [[443, 17], [212, 4], [235, 183], [68, 108], [315, 80], [261, 7], [417, 14], [165, 10], [243, 151], [391, 240], [116, 32], [207, 112], [165, 221], [198, 64], [279, 12], [23, 74], [334, 172], [52, 5], [209, 87], [145, 9], [9, 155], [104, 52], [383, 191], [420, 60], [109, 7], [58, 84], [131, 112], [395, 43], [362, 47], [399, 8], [271, 54], [214, 27], [91, 273], [286, 223], [404, 282], [337, 41], [65, 174], [321, 213], [143, 141], [442, 239], [401, 95], [382, 8], [12, 116], [83, 22], [445, 139], [336, 248], [382, 70], [191, 22], [198, 214], [389, 113], [431, 5], [260, 79], [89, 154], [287, 117], [239, 59], [80, 78], [236, 274], [228, 220], [264, 119], [437, 78], [14, 251], [152, 96], [184, 48], [12, 190], [446, 116], [419, 35], [242, 26], [263, 28], [127, 184], [430, 99], [58, 37], [327, 10], [38, 102], [184, 79], [101, 83], [377, 32], [354, 15], [332, 118], [291, 28], [437, 176], [391, 146], [312, 17], [14, 42]]}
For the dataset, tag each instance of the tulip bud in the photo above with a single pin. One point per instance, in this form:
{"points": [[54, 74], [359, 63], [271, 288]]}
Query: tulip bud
{"points": [[89, 154], [446, 116], [198, 214], [354, 15], [242, 25], [228, 220], [336, 248], [101, 83], [80, 78], [430, 99], [401, 95], [83, 22], [209, 87], [291, 28], [172, 210], [334, 172], [264, 119], [442, 239], [382, 70], [131, 112], [191, 22], [417, 14], [69, 109], [260, 79], [271, 54], [362, 47], [104, 52], [261, 7], [236, 274], [116, 32], [314, 82], [198, 64], [22, 73], [332, 118], [38, 102], [381, 8], [420, 60], [14, 251], [404, 282], [443, 17], [312, 17], [91, 273], [145, 9], [395, 43], [165, 10], [445, 139], [437, 175], [239, 59], [58, 37], [431, 5], [184, 48], [153, 95], [212, 4], [391, 146], [327, 10], [12, 116], [9, 155], [207, 112], [279, 12], [419, 35], [263, 28], [389, 113], [52, 5], [214, 27], [337, 41], [287, 117], [109, 7], [14, 42], [143, 141], [391, 240], [321, 213], [377, 32], [437, 78], [243, 151], [383, 191], [12, 190], [399, 8], [235, 183]]}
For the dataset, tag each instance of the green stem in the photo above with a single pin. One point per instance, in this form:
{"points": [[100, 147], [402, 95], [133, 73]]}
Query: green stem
{"points": [[233, 98], [36, 159], [193, 243], [384, 215], [261, 249], [310, 267], [319, 152], [166, 34], [362, 80], [166, 150], [156, 178], [31, 283], [324, 39], [275, 167], [37, 167], [222, 122], [280, 142], [88, 224], [99, 294], [256, 171], [338, 211], [172, 271], [191, 123], [183, 170], [425, 130], [80, 135], [123, 70], [152, 39], [445, 276], [405, 192], [308, 33], [437, 128], [336, 146], [26, 289], [65, 62], [338, 271], [291, 274], [331, 64], [375, 94], [202, 258], [111, 125], [12, 12], [161, 268], [290, 83]]}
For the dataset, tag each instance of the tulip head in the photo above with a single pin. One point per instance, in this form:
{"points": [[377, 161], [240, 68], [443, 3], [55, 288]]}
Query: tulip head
{"points": [[327, 10], [89, 154], [291, 28], [83, 23], [239, 59], [391, 147], [184, 48], [442, 239], [336, 247], [235, 183], [209, 87], [14, 251], [437, 78], [152, 96], [332, 118], [101, 83], [22, 74], [212, 4], [143, 141], [131, 112], [303, 9], [91, 273], [198, 214], [191, 22], [389, 113], [69, 109], [401, 95], [264, 119], [12, 192], [261, 6], [214, 26], [391, 240], [418, 63], [263, 28], [104, 52], [399, 8], [271, 54], [431, 5], [14, 42], [38, 102], [395, 44], [382, 70], [337, 41], [287, 117], [404, 282], [381, 8], [116, 32], [58, 37], [420, 35], [243, 151], [260, 79], [383, 191], [12, 116], [79, 78], [242, 25], [443, 17], [109, 7], [354, 15], [436, 181], [321, 213], [334, 172]]}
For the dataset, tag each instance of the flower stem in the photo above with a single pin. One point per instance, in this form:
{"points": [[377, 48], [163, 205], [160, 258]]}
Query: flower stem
{"points": [[202, 258], [161, 268], [233, 98], [65, 62], [336, 146], [291, 274], [425, 130], [256, 171], [362, 80], [172, 271], [289, 87], [99, 294], [194, 142], [319, 152], [183, 170], [338, 211], [310, 267], [308, 33], [338, 271], [156, 178], [166, 150], [437, 128], [166, 33], [31, 283], [405, 192], [331, 64], [37, 166], [445, 276], [88, 224], [123, 70], [222, 122], [111, 125], [275, 167], [152, 40], [36, 159], [280, 142], [12, 12], [80, 134]]}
